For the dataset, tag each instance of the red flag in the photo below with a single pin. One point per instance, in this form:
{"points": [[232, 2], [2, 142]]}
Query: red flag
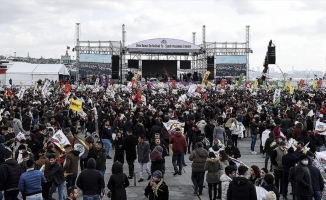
{"points": [[138, 97], [9, 93], [173, 84], [205, 96], [198, 90], [68, 47], [320, 83], [67, 89], [301, 83]]}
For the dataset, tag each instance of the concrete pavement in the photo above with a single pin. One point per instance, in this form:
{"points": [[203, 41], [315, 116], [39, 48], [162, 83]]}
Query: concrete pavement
{"points": [[180, 186]]}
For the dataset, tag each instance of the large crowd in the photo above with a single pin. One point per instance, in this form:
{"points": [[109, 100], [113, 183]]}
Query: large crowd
{"points": [[211, 123]]}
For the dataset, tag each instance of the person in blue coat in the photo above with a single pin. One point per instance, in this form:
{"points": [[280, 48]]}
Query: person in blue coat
{"points": [[30, 182]]}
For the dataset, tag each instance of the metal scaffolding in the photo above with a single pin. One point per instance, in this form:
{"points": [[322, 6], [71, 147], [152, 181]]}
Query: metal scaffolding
{"points": [[198, 60]]}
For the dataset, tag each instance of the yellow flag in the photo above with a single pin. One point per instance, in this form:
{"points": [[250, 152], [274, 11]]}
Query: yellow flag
{"points": [[256, 84], [236, 83], [291, 86], [209, 83], [203, 83], [76, 105], [287, 85], [314, 86], [270, 87]]}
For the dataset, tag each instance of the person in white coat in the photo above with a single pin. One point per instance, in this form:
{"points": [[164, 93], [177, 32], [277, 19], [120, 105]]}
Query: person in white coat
{"points": [[235, 131], [226, 178]]}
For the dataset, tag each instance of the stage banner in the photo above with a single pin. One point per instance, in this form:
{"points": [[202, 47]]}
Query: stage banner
{"points": [[203, 83]]}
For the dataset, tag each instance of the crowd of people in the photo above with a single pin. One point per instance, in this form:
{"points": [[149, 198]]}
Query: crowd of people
{"points": [[35, 167]]}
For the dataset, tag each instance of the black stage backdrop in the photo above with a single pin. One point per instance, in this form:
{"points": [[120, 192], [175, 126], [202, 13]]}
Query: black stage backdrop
{"points": [[152, 68]]}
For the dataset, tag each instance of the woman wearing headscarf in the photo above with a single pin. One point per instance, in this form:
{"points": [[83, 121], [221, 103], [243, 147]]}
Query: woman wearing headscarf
{"points": [[118, 182], [158, 162]]}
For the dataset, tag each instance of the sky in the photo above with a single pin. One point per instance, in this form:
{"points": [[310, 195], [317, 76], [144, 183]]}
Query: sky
{"points": [[46, 27]]}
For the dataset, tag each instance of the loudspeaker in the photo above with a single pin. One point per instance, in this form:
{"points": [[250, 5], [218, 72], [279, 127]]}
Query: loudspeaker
{"points": [[271, 54], [210, 60], [210, 66], [115, 67], [211, 75], [133, 64], [185, 64]]}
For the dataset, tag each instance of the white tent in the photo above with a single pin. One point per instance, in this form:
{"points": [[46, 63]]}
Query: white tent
{"points": [[26, 73]]}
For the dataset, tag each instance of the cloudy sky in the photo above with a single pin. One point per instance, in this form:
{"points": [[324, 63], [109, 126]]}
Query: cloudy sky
{"points": [[46, 27]]}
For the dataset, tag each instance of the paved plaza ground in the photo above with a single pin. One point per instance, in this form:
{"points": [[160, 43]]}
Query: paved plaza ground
{"points": [[180, 187]]}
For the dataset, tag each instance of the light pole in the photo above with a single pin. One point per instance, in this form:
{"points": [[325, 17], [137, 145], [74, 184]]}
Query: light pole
{"points": [[15, 54]]}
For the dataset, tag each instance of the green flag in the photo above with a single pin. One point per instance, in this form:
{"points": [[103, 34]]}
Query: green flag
{"points": [[277, 101], [240, 80], [157, 81]]}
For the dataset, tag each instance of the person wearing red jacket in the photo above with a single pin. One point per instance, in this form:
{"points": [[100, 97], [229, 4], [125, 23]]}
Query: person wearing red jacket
{"points": [[179, 148]]}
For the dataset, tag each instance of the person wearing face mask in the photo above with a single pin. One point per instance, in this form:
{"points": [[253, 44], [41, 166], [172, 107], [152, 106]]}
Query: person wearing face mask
{"points": [[316, 178], [303, 183], [276, 159]]}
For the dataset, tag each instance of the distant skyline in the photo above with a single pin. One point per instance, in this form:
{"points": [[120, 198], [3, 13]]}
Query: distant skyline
{"points": [[46, 28]]}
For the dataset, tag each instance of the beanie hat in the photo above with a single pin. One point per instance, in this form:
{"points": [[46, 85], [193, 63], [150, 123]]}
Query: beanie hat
{"points": [[215, 147], [229, 142], [157, 174], [91, 163]]}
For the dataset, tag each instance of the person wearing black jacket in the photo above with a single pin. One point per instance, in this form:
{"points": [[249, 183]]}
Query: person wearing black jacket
{"points": [[209, 130], [119, 152], [91, 153], [232, 151], [270, 186], [316, 179], [303, 186], [107, 137], [100, 157], [10, 172], [90, 126], [288, 161], [90, 181], [129, 146], [240, 187], [57, 178]]}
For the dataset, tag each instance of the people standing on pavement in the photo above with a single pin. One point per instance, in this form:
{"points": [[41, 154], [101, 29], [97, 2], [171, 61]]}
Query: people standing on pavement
{"points": [[219, 133], [226, 178], [224, 162], [276, 160], [100, 157], [233, 152], [179, 148], [107, 137], [235, 131], [11, 172], [209, 131], [303, 184], [254, 125], [157, 160], [316, 179], [240, 187], [157, 188], [57, 178], [288, 160], [71, 165], [43, 160], [30, 182], [212, 166], [270, 186], [143, 157], [91, 182], [129, 146], [118, 182], [119, 152], [270, 144], [254, 174], [198, 156]]}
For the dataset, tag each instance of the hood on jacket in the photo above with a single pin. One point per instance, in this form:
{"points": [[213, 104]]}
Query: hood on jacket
{"points": [[225, 178], [212, 160], [11, 162], [201, 152], [91, 163], [240, 180], [75, 152], [178, 134]]}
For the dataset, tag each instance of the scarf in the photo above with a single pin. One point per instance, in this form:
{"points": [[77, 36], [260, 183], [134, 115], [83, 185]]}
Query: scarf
{"points": [[156, 186]]}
